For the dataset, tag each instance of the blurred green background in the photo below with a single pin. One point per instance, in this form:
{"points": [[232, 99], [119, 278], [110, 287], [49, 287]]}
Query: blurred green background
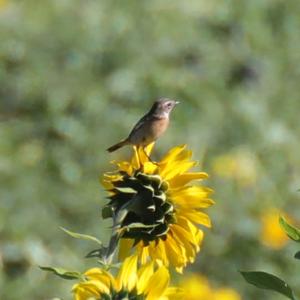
{"points": [[76, 75]]}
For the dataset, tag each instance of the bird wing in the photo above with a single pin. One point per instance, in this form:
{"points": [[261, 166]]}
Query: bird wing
{"points": [[146, 118], [140, 124]]}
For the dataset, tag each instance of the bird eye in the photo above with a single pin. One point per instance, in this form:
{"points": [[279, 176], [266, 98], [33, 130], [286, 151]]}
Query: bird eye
{"points": [[169, 104]]}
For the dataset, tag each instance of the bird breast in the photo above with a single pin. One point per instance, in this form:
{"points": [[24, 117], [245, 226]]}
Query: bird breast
{"points": [[158, 127], [150, 131]]}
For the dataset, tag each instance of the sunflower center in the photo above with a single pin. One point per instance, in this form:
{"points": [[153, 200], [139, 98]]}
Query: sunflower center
{"points": [[140, 207]]}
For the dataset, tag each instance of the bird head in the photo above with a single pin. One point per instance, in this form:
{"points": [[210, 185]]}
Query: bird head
{"points": [[163, 106]]}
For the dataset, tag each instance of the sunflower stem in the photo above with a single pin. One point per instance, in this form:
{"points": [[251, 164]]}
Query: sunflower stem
{"points": [[111, 249]]}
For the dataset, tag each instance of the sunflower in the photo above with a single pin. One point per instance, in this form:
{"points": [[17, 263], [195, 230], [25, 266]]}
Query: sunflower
{"points": [[271, 233], [197, 287], [148, 283], [3, 4], [155, 208]]}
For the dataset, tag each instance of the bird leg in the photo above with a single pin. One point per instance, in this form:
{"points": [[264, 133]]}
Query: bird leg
{"points": [[146, 154]]}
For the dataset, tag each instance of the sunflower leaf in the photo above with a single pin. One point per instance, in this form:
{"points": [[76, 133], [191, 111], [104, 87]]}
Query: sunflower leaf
{"points": [[107, 212], [81, 236], [290, 230], [65, 274], [297, 255], [139, 225], [268, 281], [99, 253]]}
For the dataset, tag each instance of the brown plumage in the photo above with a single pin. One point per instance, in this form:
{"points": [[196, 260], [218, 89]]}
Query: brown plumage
{"points": [[118, 146], [150, 127]]}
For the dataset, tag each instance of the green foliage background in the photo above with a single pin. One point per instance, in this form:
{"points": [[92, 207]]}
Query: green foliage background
{"points": [[76, 75]]}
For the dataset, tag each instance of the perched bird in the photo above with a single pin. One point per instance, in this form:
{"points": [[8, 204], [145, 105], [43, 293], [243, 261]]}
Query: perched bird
{"points": [[150, 127]]}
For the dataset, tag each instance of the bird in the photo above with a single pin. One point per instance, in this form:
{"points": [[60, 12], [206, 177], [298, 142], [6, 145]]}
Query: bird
{"points": [[150, 127]]}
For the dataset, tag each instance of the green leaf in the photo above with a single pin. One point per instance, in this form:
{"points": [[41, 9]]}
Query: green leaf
{"points": [[291, 231], [70, 275], [97, 253], [269, 282], [297, 255], [139, 225], [81, 236], [107, 212]]}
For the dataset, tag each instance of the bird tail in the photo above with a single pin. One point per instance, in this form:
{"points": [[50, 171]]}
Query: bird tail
{"points": [[118, 145]]}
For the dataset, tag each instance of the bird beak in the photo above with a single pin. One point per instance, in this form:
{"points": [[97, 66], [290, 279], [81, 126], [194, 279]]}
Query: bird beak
{"points": [[177, 102]]}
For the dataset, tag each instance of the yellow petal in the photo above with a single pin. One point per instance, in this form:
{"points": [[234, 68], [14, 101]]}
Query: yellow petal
{"points": [[112, 177], [171, 155], [100, 275], [185, 178], [181, 157], [271, 233], [124, 166], [196, 234], [107, 185], [157, 250], [89, 289], [143, 252], [108, 179], [135, 161], [226, 294], [141, 156], [193, 191], [81, 294], [194, 202], [158, 283], [197, 217], [149, 148], [176, 168], [149, 168], [197, 287], [175, 252], [192, 196], [127, 276], [144, 275], [125, 246], [174, 293], [184, 237], [184, 155]]}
